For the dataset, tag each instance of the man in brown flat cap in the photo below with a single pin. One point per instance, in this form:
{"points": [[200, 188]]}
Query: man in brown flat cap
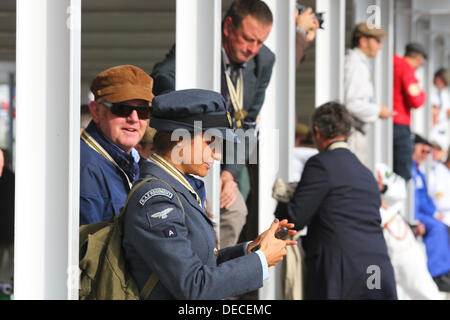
{"points": [[358, 86], [108, 160]]}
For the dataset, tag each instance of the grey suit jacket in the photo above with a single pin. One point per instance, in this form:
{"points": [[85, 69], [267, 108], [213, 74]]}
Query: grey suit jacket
{"points": [[179, 247], [256, 76]]}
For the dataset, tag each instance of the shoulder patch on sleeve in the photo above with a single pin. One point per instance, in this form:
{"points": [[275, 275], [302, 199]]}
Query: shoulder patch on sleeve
{"points": [[163, 214], [153, 193]]}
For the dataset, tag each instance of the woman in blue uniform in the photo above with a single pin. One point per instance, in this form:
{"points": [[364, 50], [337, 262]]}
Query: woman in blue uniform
{"points": [[169, 240]]}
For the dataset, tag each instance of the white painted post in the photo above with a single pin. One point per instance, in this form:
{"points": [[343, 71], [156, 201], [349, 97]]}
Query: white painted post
{"points": [[198, 65], [277, 126], [403, 32], [330, 52], [47, 143], [383, 136], [380, 133]]}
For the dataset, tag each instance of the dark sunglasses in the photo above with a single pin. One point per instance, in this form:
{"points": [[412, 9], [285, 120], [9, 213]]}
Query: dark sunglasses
{"points": [[124, 110]]}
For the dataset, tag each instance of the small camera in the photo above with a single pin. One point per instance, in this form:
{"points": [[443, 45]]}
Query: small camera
{"points": [[318, 15]]}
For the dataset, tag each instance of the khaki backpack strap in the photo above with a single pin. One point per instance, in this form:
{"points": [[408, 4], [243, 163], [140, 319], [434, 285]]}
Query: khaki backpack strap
{"points": [[149, 286], [153, 279]]}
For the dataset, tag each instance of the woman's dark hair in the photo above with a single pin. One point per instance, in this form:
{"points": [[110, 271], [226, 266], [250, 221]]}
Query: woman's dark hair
{"points": [[333, 120], [240, 9], [163, 143]]}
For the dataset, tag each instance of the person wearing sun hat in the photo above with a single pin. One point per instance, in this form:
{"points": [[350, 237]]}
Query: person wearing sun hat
{"points": [[359, 88], [108, 161], [168, 238]]}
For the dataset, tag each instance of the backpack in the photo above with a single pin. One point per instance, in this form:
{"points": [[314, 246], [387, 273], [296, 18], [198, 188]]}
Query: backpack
{"points": [[103, 273]]}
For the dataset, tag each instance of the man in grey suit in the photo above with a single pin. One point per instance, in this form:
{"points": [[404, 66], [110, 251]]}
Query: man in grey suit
{"points": [[246, 71]]}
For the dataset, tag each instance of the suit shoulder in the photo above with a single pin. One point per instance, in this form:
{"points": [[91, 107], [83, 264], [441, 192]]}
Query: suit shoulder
{"points": [[165, 65], [266, 56], [330, 157], [317, 161]]}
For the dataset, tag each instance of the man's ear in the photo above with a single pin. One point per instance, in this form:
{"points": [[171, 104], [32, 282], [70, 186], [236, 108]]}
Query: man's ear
{"points": [[94, 108], [227, 26], [363, 42]]}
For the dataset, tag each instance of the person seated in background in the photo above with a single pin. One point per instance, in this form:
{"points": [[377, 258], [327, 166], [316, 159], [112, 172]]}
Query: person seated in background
{"points": [[339, 200], [407, 256], [304, 149], [438, 152], [436, 232], [440, 188], [440, 102]]}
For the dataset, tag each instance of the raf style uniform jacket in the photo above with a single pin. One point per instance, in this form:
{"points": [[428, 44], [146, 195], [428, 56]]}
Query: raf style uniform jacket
{"points": [[103, 187], [256, 77], [180, 248], [338, 199]]}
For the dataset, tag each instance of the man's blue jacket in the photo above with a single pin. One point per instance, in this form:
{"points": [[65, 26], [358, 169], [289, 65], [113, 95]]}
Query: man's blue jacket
{"points": [[103, 186]]}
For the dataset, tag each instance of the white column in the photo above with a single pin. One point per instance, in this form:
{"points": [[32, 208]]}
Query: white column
{"points": [[330, 52], [383, 132], [47, 143], [403, 34], [403, 18], [380, 133], [446, 60], [276, 139], [198, 65]]}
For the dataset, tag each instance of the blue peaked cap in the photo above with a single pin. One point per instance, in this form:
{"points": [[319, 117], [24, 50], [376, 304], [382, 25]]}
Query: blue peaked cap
{"points": [[180, 109]]}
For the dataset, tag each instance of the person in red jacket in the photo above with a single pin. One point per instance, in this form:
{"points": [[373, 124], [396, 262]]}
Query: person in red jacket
{"points": [[407, 95]]}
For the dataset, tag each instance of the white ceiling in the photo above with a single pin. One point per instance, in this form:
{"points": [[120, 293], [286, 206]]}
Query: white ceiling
{"points": [[113, 32], [138, 32]]}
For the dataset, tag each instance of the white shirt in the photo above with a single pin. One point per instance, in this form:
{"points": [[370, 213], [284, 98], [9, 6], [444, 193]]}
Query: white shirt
{"points": [[440, 99], [395, 193], [301, 155], [358, 86], [439, 189]]}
